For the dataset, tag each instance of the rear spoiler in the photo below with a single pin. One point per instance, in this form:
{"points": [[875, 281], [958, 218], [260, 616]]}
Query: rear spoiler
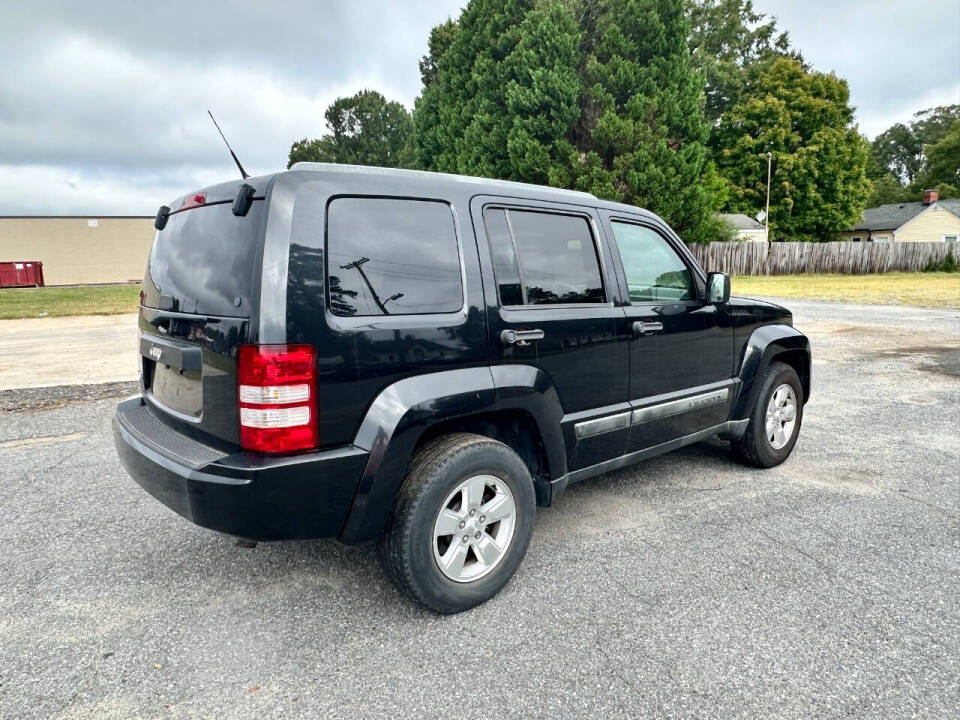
{"points": [[240, 194]]}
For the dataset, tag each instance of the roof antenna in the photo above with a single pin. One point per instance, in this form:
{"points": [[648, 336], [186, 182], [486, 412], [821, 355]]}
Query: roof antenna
{"points": [[243, 173]]}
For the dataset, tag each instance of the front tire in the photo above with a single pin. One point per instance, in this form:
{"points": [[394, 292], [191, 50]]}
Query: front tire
{"points": [[461, 523], [774, 420]]}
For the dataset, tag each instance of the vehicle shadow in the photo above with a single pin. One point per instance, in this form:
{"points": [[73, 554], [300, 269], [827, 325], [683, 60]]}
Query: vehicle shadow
{"points": [[352, 574]]}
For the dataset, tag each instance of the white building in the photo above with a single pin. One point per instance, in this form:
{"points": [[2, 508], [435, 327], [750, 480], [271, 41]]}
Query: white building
{"points": [[928, 220], [748, 229]]}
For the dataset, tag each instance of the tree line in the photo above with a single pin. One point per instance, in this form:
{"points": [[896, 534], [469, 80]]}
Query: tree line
{"points": [[909, 158], [671, 105]]}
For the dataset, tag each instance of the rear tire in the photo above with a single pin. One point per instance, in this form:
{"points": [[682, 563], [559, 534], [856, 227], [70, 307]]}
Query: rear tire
{"points": [[774, 420], [461, 523]]}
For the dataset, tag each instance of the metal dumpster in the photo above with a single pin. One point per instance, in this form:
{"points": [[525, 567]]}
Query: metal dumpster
{"points": [[21, 273]]}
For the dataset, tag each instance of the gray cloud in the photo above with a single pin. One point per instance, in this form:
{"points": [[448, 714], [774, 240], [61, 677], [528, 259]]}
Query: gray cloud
{"points": [[103, 104], [897, 56]]}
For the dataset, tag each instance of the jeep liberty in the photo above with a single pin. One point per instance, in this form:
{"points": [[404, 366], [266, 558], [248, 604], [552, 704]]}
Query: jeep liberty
{"points": [[421, 360]]}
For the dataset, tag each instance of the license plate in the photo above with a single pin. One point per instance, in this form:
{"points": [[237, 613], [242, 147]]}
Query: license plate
{"points": [[179, 391]]}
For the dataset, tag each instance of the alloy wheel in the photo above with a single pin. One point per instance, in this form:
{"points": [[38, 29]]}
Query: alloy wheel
{"points": [[781, 418], [474, 528]]}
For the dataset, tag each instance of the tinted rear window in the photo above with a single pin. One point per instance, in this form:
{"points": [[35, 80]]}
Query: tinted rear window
{"points": [[557, 258], [204, 261], [392, 257]]}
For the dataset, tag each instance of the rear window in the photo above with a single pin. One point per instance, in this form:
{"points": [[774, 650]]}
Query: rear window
{"points": [[204, 261], [392, 257]]}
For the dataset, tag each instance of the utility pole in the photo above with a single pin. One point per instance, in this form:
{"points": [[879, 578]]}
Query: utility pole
{"points": [[766, 220], [358, 266]]}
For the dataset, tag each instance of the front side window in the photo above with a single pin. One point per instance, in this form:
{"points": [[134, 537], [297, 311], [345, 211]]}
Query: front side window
{"points": [[655, 273], [392, 257], [543, 258]]}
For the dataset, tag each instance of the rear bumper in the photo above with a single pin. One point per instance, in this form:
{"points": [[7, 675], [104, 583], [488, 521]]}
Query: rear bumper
{"points": [[243, 494]]}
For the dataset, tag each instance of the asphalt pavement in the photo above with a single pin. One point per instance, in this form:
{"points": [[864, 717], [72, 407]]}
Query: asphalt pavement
{"points": [[688, 586]]}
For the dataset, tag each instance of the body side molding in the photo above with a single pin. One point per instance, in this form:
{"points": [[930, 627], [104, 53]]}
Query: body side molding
{"points": [[651, 408], [729, 429], [691, 403]]}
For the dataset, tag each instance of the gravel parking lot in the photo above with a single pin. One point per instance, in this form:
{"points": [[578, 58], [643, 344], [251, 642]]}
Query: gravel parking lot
{"points": [[687, 586]]}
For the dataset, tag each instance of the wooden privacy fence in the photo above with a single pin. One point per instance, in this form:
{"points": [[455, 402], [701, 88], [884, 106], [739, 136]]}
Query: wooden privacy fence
{"points": [[788, 258]]}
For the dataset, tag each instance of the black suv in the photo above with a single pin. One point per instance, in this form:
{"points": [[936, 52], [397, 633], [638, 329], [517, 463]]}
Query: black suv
{"points": [[421, 359]]}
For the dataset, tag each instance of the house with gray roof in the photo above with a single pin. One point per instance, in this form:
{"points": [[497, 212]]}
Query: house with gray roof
{"points": [[928, 220], [747, 228]]}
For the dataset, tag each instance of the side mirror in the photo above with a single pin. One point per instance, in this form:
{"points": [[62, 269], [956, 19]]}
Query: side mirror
{"points": [[718, 288]]}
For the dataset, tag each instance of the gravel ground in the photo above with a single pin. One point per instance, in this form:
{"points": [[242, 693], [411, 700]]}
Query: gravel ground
{"points": [[688, 586], [44, 398]]}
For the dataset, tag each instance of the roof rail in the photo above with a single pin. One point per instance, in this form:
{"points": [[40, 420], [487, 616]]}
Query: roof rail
{"points": [[428, 175]]}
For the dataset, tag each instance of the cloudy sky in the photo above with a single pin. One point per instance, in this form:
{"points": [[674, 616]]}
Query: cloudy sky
{"points": [[103, 103]]}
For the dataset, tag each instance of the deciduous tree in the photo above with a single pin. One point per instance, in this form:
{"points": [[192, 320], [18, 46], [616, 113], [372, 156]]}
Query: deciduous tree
{"points": [[897, 151], [903, 152], [729, 40], [942, 162], [804, 119], [364, 129]]}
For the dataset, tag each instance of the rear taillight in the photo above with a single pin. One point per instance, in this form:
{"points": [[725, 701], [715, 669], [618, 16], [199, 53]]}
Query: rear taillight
{"points": [[276, 392]]}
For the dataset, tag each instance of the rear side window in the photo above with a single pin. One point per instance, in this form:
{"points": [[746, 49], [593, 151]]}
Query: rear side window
{"points": [[543, 258], [392, 257]]}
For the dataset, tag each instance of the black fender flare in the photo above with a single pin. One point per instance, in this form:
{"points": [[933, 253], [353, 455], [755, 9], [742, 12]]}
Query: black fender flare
{"points": [[403, 411], [763, 346], [530, 390]]}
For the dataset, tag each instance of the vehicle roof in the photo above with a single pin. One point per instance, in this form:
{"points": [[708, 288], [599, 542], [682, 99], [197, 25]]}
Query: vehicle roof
{"points": [[425, 178], [422, 181], [742, 222]]}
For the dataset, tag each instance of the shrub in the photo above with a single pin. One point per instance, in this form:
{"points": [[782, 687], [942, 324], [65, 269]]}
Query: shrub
{"points": [[948, 264]]}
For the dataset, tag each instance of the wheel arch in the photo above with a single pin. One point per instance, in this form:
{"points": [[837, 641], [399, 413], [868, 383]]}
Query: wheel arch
{"points": [[507, 403], [766, 344], [799, 360], [517, 429]]}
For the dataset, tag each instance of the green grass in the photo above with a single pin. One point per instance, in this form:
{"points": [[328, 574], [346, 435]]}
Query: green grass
{"points": [[924, 289], [63, 301], [933, 289]]}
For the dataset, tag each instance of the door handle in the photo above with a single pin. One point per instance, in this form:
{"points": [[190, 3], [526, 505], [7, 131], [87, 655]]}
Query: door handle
{"points": [[520, 337], [646, 328]]}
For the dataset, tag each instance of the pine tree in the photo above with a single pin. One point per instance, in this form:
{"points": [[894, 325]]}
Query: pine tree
{"points": [[643, 132], [500, 99], [599, 96]]}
